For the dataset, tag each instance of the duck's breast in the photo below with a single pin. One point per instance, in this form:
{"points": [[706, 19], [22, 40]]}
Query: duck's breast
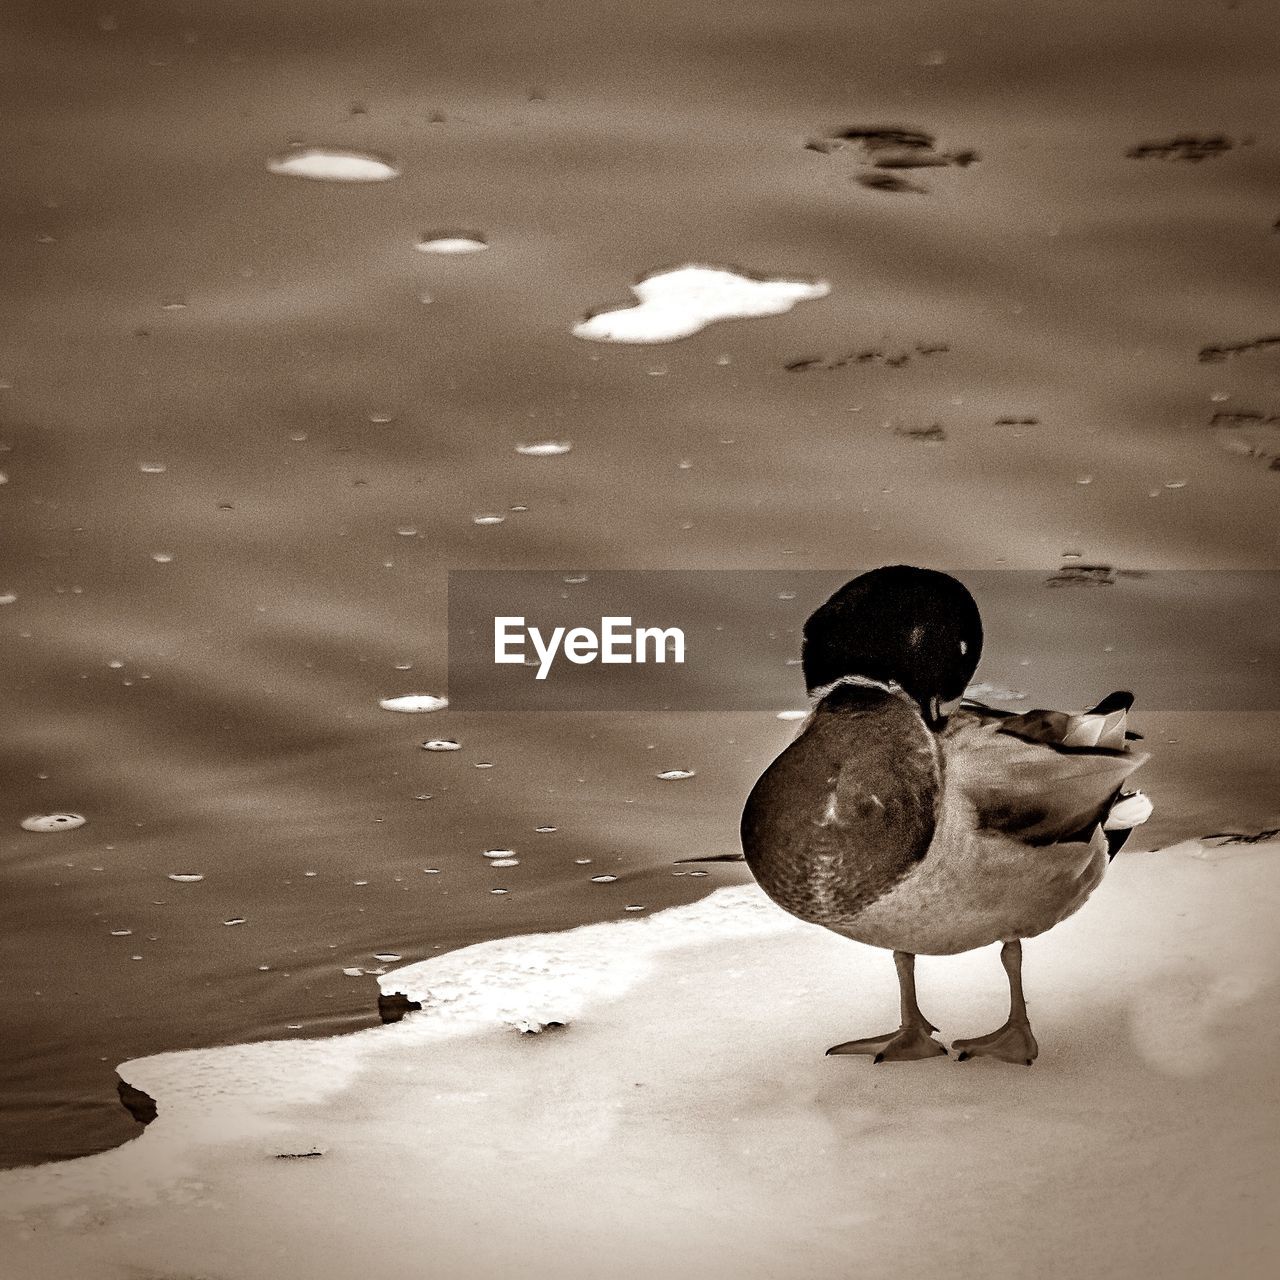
{"points": [[847, 810]]}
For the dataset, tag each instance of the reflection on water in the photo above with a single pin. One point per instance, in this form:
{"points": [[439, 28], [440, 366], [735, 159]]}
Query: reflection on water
{"points": [[247, 427]]}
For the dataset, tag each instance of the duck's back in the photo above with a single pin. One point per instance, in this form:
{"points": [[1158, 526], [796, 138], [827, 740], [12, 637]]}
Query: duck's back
{"points": [[1030, 776], [848, 809]]}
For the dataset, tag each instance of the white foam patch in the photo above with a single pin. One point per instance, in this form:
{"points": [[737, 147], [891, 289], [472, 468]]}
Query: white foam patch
{"points": [[677, 304], [414, 702], [545, 448], [452, 243], [324, 164], [684, 1120], [53, 822]]}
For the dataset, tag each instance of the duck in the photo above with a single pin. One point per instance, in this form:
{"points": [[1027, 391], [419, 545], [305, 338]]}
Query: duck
{"points": [[907, 816]]}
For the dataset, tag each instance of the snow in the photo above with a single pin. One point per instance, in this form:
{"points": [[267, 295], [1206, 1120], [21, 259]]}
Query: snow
{"points": [[326, 164], [414, 702], [679, 303], [683, 1122], [452, 244]]}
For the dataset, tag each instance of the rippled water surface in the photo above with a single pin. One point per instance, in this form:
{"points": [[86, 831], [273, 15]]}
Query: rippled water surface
{"points": [[255, 404]]}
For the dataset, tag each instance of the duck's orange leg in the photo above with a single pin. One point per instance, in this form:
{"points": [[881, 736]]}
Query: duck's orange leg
{"points": [[1013, 1042], [912, 1040]]}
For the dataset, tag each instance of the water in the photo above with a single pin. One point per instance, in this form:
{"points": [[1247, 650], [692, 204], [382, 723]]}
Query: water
{"points": [[1019, 355]]}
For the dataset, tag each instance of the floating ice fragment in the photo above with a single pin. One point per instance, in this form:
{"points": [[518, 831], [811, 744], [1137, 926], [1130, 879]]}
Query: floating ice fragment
{"points": [[544, 830], [414, 702], [441, 744], [354, 972], [504, 862], [185, 877], [325, 164], [679, 303], [499, 853], [152, 468], [545, 448], [452, 242], [8, 597], [121, 933], [162, 557], [487, 519], [795, 714], [603, 879], [675, 775], [53, 822], [386, 956], [234, 920]]}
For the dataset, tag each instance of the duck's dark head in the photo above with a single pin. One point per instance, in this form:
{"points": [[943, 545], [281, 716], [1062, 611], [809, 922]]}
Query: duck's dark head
{"points": [[917, 628]]}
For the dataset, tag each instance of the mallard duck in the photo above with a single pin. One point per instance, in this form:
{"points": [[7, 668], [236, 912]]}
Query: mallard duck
{"points": [[896, 825]]}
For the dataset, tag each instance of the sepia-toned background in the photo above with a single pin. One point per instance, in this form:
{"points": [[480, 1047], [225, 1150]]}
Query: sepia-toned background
{"points": [[247, 427]]}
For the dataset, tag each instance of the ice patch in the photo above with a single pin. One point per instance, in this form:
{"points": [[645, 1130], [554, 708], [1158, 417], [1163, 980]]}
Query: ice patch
{"points": [[679, 303], [414, 702], [53, 822], [691, 1043], [452, 243], [324, 164], [545, 448]]}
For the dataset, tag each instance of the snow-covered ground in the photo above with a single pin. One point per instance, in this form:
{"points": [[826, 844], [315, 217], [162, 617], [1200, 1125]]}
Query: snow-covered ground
{"points": [[684, 1121]]}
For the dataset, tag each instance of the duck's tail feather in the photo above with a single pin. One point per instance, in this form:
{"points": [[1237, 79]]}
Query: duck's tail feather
{"points": [[1130, 809]]}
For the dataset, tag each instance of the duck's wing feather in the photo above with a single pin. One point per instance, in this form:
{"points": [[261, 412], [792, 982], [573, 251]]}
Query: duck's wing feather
{"points": [[1042, 777]]}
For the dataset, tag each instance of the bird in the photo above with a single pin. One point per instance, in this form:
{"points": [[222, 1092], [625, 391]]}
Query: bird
{"points": [[897, 822]]}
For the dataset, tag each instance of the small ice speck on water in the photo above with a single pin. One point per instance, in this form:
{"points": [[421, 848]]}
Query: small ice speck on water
{"points": [[8, 597], [152, 468], [545, 448], [324, 164], [354, 972], [544, 830], [504, 862], [162, 557], [675, 775], [121, 933], [386, 956], [185, 877], [679, 303], [413, 702], [794, 714], [53, 822], [603, 879], [451, 242], [487, 519], [441, 744], [234, 920], [499, 853]]}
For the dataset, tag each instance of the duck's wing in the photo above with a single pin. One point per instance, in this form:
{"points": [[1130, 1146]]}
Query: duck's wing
{"points": [[1041, 777]]}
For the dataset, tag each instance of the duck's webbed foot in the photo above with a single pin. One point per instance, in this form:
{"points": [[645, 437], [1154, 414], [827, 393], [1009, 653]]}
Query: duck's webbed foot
{"points": [[908, 1044], [912, 1040], [1012, 1043]]}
